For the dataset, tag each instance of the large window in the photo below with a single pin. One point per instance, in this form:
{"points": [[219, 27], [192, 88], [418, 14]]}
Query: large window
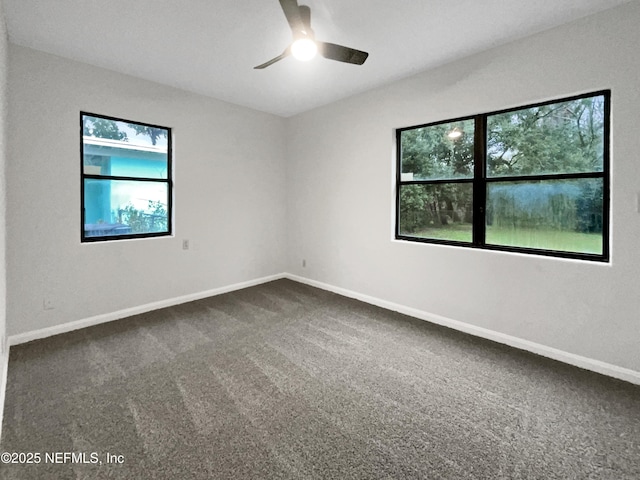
{"points": [[533, 179], [126, 178]]}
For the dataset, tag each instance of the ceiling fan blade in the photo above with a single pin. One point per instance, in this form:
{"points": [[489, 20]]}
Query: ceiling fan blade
{"points": [[305, 16], [292, 12], [274, 60], [342, 54]]}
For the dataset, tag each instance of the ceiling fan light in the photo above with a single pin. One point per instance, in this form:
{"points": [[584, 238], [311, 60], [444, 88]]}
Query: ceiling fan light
{"points": [[304, 49], [455, 133]]}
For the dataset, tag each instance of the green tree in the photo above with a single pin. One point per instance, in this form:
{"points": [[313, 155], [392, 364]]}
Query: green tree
{"points": [[429, 153], [102, 128], [564, 137], [151, 132], [154, 219]]}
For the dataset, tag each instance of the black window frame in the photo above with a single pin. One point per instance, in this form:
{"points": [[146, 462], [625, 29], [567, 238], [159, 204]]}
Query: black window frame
{"points": [[168, 181], [480, 183]]}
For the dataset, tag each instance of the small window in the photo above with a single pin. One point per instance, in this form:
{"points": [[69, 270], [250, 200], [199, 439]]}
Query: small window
{"points": [[533, 179], [126, 179]]}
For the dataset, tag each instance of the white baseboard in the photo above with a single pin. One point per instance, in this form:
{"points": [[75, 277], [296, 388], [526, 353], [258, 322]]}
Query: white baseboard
{"points": [[127, 312], [586, 363]]}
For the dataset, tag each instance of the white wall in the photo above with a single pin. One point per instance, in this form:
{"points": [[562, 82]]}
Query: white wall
{"points": [[229, 195], [3, 149], [340, 195]]}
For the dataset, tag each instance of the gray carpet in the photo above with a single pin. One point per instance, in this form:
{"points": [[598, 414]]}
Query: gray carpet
{"points": [[287, 381]]}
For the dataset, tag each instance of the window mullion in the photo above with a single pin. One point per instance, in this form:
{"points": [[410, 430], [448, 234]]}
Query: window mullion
{"points": [[479, 180], [124, 178], [545, 176]]}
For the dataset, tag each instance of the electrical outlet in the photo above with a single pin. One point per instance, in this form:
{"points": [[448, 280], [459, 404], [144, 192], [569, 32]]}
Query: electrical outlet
{"points": [[304, 263], [185, 244]]}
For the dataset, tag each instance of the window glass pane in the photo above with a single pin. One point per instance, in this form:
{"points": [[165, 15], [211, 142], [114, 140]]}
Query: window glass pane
{"points": [[439, 211], [119, 148], [562, 215], [118, 207], [563, 137], [443, 151]]}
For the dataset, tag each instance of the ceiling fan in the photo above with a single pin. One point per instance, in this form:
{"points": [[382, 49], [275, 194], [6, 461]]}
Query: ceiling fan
{"points": [[305, 46]]}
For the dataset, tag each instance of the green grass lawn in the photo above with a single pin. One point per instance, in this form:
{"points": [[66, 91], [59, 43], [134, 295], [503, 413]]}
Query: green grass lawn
{"points": [[459, 232], [565, 241]]}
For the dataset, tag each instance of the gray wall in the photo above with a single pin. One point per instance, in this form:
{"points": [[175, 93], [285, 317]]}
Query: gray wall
{"points": [[229, 195], [341, 195], [3, 160]]}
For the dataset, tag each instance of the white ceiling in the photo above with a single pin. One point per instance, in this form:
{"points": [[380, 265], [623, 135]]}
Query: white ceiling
{"points": [[211, 46]]}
